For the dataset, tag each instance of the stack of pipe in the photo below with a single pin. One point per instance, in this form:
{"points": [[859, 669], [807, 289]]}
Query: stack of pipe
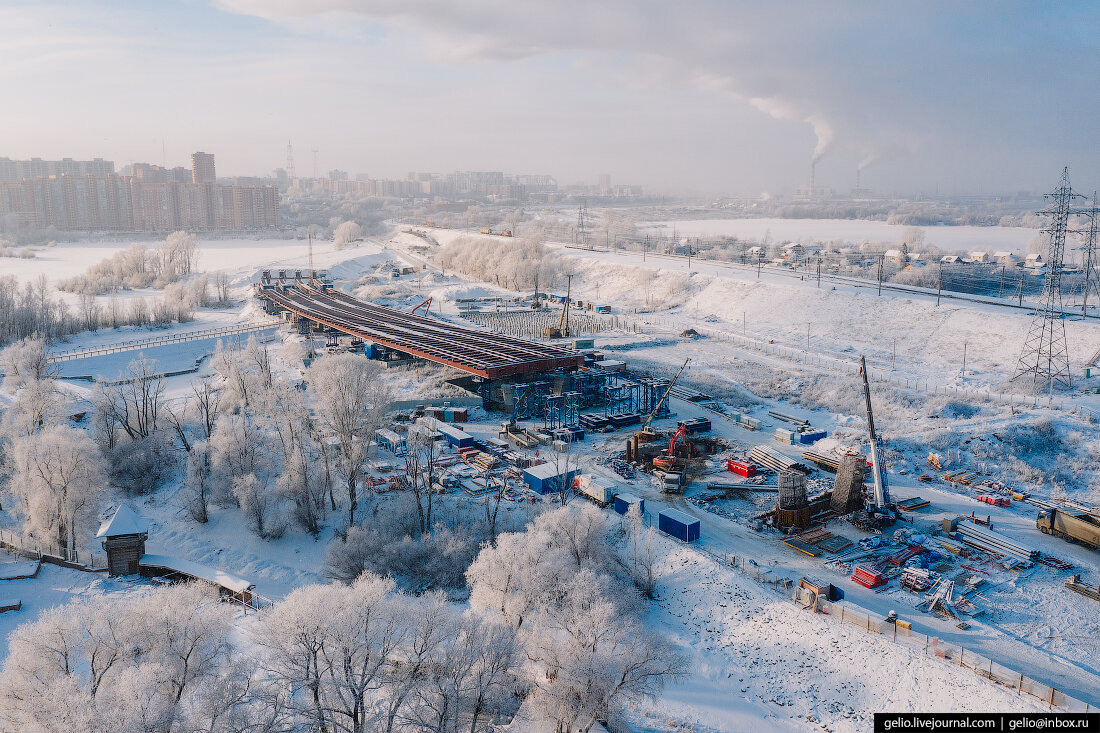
{"points": [[990, 541], [773, 459]]}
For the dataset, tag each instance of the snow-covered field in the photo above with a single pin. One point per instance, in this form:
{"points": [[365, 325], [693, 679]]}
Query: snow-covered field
{"points": [[968, 238]]}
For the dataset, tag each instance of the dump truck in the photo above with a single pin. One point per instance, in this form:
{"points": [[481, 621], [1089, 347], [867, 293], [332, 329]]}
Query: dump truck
{"points": [[1074, 527]]}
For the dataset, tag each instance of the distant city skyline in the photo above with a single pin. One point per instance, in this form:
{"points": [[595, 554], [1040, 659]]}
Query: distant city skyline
{"points": [[698, 97]]}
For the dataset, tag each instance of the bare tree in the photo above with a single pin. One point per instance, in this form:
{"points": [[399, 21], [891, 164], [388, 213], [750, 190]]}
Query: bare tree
{"points": [[421, 456], [350, 399]]}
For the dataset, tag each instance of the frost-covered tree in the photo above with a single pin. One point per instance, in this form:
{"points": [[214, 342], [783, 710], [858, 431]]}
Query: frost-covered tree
{"points": [[261, 504], [336, 645], [197, 491], [141, 662], [345, 234], [59, 480], [350, 399], [26, 361]]}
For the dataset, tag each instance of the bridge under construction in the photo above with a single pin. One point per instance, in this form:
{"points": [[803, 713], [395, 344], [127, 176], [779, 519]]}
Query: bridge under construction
{"points": [[480, 353]]}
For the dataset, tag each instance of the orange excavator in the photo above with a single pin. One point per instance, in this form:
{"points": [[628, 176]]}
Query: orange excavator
{"points": [[669, 460]]}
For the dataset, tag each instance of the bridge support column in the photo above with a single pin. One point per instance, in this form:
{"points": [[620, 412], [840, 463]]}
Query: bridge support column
{"points": [[485, 390]]}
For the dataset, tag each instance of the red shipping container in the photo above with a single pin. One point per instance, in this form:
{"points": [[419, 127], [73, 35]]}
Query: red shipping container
{"points": [[741, 468]]}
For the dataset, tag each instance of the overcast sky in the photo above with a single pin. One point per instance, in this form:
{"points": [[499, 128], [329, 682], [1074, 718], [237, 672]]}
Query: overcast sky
{"points": [[704, 95]]}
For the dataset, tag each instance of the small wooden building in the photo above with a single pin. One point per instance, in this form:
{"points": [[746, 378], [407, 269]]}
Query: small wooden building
{"points": [[124, 536]]}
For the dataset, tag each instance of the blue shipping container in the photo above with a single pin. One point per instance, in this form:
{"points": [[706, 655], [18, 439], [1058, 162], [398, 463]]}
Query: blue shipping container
{"points": [[813, 437], [544, 478], [678, 525], [457, 438], [623, 502]]}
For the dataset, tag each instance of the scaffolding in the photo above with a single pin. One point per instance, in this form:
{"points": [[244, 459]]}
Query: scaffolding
{"points": [[562, 411], [529, 400]]}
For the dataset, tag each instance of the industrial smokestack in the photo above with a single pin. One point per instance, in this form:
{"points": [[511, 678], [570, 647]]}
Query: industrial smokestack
{"points": [[813, 167], [857, 179]]}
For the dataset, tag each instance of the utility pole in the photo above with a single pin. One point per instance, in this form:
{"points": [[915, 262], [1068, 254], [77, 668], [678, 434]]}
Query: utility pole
{"points": [[819, 272], [964, 359], [758, 265], [1001, 289], [645, 247], [745, 323], [939, 284], [893, 354], [881, 261]]}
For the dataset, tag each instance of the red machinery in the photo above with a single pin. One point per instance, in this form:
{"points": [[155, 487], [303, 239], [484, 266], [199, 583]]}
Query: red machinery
{"points": [[741, 468], [426, 305], [868, 576], [994, 500], [668, 461]]}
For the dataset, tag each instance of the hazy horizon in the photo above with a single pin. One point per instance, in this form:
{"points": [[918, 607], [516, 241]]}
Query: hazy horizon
{"points": [[698, 97]]}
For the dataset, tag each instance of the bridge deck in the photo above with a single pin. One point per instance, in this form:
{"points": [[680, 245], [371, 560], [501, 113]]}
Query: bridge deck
{"points": [[471, 350]]}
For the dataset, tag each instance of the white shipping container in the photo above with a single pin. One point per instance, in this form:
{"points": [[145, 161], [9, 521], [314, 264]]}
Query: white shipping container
{"points": [[596, 489]]}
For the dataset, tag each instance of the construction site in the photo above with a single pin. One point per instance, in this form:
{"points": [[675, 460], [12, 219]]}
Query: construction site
{"points": [[555, 397]]}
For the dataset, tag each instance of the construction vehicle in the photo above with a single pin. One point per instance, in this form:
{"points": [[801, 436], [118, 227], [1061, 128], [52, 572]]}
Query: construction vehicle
{"points": [[669, 460], [562, 331], [647, 433], [426, 305], [1079, 527], [878, 509]]}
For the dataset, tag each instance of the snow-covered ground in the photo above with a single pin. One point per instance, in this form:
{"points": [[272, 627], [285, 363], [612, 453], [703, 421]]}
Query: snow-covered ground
{"points": [[761, 662]]}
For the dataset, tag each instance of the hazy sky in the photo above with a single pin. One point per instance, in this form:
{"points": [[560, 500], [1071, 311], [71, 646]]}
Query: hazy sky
{"points": [[708, 95]]}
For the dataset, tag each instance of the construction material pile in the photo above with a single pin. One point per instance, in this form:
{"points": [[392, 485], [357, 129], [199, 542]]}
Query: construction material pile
{"points": [[989, 541]]}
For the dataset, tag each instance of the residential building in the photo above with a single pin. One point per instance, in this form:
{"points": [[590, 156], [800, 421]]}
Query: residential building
{"points": [[202, 168]]}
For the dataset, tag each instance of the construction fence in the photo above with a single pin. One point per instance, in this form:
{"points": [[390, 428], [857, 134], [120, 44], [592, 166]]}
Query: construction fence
{"points": [[52, 554], [901, 632]]}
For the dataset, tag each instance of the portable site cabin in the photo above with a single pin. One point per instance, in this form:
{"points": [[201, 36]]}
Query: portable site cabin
{"points": [[546, 478], [624, 503], [390, 441], [679, 525]]}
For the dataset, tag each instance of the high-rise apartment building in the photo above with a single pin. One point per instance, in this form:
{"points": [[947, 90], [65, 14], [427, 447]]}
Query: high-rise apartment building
{"points": [[17, 170], [202, 168]]}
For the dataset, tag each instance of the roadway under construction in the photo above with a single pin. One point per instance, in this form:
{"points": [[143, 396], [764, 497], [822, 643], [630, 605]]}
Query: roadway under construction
{"points": [[480, 353]]}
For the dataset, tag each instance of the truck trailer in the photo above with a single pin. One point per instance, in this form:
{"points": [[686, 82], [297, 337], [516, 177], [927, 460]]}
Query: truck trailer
{"points": [[1075, 527]]}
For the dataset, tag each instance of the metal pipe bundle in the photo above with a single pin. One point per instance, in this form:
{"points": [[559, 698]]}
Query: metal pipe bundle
{"points": [[990, 541], [771, 458]]}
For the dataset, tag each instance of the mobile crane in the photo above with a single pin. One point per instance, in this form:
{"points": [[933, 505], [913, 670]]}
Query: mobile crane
{"points": [[878, 508]]}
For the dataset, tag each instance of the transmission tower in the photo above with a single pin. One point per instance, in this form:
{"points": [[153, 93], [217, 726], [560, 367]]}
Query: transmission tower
{"points": [[289, 161], [1045, 356], [1092, 277]]}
